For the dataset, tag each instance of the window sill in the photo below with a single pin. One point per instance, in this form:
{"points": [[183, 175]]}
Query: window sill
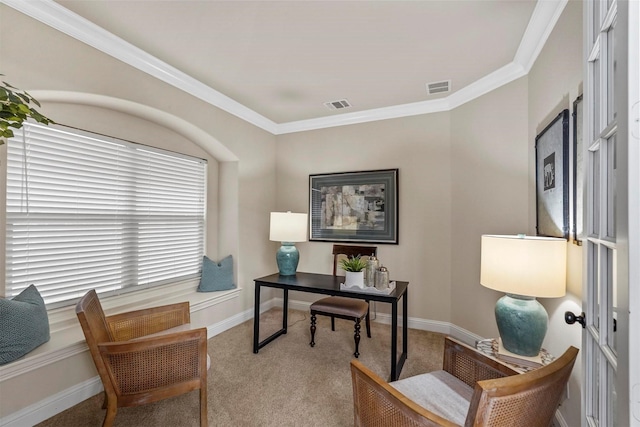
{"points": [[67, 338]]}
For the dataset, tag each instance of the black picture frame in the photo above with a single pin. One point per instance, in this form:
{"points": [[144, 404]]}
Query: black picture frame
{"points": [[552, 178], [578, 172], [354, 207]]}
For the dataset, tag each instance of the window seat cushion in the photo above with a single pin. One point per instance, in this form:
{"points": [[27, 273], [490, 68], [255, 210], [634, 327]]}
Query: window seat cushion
{"points": [[24, 324], [438, 392], [216, 276]]}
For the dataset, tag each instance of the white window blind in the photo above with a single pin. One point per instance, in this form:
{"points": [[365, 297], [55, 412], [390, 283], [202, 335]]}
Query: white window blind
{"points": [[85, 211]]}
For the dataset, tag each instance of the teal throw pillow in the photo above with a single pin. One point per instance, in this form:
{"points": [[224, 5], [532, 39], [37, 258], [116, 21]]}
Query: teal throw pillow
{"points": [[216, 276], [24, 324]]}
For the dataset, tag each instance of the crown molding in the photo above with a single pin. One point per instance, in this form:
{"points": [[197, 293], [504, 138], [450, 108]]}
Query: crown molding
{"points": [[393, 112], [54, 15], [542, 22]]}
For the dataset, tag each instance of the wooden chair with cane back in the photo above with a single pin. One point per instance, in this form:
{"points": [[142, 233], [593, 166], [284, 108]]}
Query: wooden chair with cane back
{"points": [[341, 307], [471, 390], [146, 355]]}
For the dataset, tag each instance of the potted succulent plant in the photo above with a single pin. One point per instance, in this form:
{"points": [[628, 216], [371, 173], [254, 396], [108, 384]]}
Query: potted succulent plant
{"points": [[15, 108], [354, 271]]}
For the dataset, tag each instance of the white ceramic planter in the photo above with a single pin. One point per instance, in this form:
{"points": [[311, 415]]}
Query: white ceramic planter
{"points": [[354, 279]]}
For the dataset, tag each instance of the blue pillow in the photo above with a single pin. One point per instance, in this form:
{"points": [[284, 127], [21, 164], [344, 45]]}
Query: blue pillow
{"points": [[216, 276], [24, 324]]}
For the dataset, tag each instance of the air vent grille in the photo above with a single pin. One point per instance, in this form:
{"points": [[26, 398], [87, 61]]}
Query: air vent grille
{"points": [[337, 105], [438, 87]]}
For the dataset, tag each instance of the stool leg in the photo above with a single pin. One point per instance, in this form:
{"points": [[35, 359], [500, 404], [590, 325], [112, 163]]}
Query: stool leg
{"points": [[333, 323], [356, 337], [313, 329], [368, 324]]}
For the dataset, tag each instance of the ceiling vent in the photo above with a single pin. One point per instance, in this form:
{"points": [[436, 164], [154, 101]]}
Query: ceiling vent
{"points": [[337, 105], [438, 87]]}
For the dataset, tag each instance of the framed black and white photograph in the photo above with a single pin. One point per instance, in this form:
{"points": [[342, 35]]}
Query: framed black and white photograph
{"points": [[552, 178], [578, 172], [354, 207]]}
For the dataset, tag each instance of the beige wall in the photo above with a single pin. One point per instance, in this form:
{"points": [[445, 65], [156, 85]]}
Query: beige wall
{"points": [[419, 147], [36, 57], [489, 192]]}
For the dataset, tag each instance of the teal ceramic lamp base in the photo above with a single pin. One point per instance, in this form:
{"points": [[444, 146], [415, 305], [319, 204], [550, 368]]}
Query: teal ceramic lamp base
{"points": [[522, 323], [287, 258]]}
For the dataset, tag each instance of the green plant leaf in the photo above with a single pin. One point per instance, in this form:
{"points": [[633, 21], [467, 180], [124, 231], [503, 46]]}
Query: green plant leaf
{"points": [[353, 264], [15, 108]]}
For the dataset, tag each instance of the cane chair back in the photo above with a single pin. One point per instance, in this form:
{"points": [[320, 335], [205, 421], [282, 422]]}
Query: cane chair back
{"points": [[528, 399], [497, 395], [146, 355]]}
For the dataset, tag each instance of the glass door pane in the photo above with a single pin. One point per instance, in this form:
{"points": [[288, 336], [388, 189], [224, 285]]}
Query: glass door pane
{"points": [[613, 303], [595, 402], [611, 67], [611, 188], [595, 112], [594, 223], [612, 397], [593, 314]]}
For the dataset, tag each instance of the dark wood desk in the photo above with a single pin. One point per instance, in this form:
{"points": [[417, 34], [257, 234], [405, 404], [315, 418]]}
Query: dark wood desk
{"points": [[330, 285]]}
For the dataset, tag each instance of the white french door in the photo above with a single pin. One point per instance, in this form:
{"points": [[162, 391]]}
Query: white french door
{"points": [[606, 345]]}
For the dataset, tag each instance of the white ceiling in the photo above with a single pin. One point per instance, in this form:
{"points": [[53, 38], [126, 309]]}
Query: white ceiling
{"points": [[275, 63]]}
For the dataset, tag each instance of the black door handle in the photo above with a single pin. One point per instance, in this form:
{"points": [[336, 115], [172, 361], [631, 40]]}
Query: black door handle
{"points": [[571, 318]]}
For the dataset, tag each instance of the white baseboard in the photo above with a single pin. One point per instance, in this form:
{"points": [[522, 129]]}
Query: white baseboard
{"points": [[559, 420], [236, 319], [445, 328], [59, 402], [55, 404]]}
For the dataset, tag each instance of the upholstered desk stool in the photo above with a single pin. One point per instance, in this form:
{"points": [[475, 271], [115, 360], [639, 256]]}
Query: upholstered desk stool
{"points": [[343, 308]]}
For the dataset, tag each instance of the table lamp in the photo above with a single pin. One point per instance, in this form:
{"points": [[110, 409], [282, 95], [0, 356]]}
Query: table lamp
{"points": [[288, 228], [524, 267]]}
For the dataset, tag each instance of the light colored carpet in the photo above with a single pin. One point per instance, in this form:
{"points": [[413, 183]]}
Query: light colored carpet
{"points": [[287, 384]]}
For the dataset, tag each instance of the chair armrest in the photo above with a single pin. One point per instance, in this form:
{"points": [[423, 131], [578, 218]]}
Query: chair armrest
{"points": [[148, 363], [470, 366], [375, 402], [134, 324]]}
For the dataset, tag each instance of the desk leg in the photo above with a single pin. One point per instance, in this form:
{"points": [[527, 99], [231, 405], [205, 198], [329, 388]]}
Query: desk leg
{"points": [[285, 310], [405, 326], [398, 362], [394, 340], [256, 319], [257, 345]]}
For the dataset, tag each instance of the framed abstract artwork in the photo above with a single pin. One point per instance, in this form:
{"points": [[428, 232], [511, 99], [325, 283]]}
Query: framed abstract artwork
{"points": [[552, 178], [354, 207]]}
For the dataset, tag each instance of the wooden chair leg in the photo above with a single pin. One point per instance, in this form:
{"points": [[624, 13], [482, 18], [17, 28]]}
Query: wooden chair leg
{"points": [[333, 323], [356, 336], [110, 416], [204, 421], [313, 329]]}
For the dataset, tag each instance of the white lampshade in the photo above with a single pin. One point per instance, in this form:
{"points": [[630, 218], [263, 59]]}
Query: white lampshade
{"points": [[288, 227], [524, 265]]}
